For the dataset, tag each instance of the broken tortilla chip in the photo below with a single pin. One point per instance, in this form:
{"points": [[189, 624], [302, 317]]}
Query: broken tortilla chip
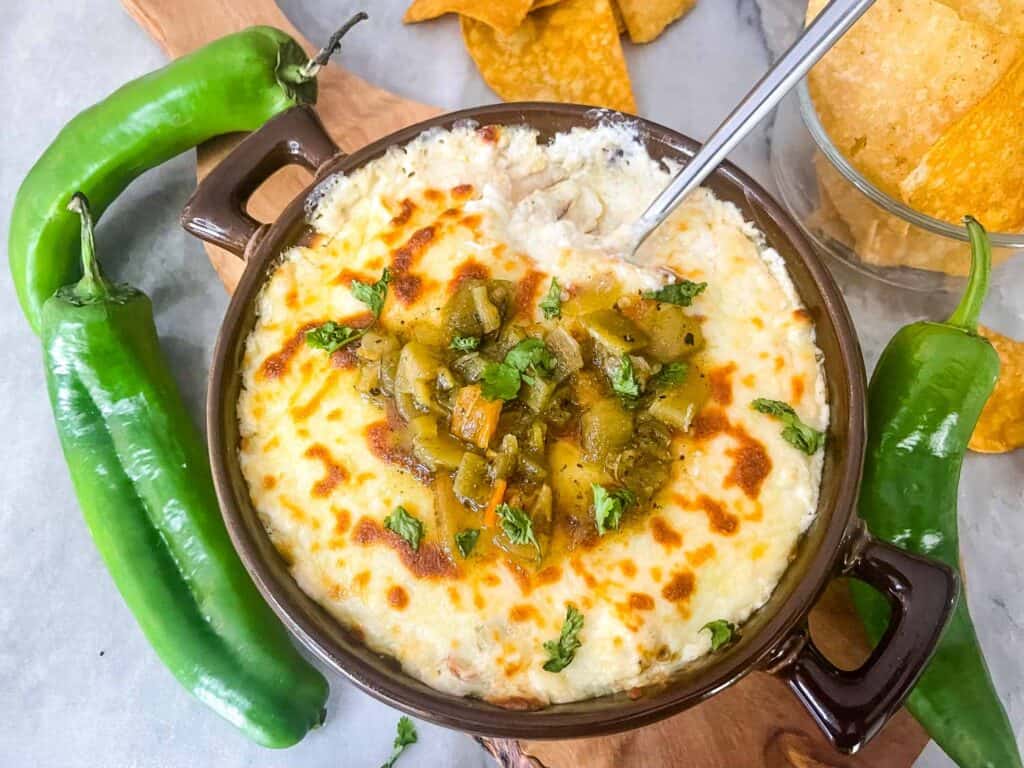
{"points": [[1001, 426], [503, 15], [904, 73], [977, 166], [646, 19], [567, 52], [1007, 16], [620, 23]]}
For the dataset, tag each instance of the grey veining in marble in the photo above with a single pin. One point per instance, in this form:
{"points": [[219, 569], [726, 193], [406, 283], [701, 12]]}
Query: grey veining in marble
{"points": [[81, 688]]}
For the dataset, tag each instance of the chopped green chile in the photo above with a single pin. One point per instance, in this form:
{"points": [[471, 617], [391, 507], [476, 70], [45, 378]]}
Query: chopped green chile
{"points": [[488, 405]]}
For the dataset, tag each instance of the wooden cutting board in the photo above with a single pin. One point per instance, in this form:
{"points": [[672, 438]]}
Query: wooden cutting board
{"points": [[754, 724]]}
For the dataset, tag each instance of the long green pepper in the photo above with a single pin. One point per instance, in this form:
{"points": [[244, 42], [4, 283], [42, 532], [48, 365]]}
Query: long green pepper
{"points": [[924, 399], [143, 482]]}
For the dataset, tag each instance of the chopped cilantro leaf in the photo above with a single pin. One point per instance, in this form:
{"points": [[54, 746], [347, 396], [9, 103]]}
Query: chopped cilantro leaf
{"points": [[682, 293], [372, 295], [671, 375], [464, 343], [722, 633], [500, 381], [624, 380], [795, 432], [405, 525], [466, 540], [551, 304], [517, 525], [562, 651], [608, 507], [531, 356], [406, 736], [331, 336]]}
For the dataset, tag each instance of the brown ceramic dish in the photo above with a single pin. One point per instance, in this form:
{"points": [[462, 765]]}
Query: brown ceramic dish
{"points": [[850, 706]]}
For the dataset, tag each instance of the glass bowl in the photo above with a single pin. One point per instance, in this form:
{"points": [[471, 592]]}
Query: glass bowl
{"points": [[848, 217]]}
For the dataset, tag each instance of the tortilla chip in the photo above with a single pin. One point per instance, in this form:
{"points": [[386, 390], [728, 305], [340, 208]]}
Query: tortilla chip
{"points": [[905, 72], [1007, 16], [620, 23], [538, 4], [646, 19], [1001, 426], [568, 52], [977, 167], [504, 15], [877, 237]]}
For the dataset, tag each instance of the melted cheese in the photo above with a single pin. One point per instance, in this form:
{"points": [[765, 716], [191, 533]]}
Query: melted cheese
{"points": [[494, 202]]}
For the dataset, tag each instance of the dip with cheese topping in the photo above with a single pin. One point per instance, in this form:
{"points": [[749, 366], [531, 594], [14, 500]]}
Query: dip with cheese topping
{"points": [[528, 470]]}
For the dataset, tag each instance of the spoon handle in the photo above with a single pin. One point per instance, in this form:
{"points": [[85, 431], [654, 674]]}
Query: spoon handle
{"points": [[822, 33]]}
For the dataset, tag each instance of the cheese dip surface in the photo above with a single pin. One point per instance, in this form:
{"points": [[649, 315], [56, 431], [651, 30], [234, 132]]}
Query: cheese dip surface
{"points": [[588, 443]]}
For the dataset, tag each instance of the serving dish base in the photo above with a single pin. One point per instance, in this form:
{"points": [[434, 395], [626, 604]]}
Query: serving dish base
{"points": [[754, 724]]}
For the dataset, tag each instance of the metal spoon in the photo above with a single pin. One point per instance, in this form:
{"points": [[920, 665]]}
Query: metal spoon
{"points": [[822, 33]]}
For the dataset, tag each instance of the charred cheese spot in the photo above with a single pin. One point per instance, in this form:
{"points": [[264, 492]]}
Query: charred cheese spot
{"points": [[697, 557], [405, 211], [398, 598], [406, 285], [797, 385], [638, 601], [719, 519], [277, 364], [522, 613], [427, 562], [386, 446], [468, 270], [462, 190], [665, 534], [334, 473], [490, 133], [680, 587], [801, 315], [628, 568], [526, 292], [751, 465], [269, 482], [342, 520], [720, 381]]}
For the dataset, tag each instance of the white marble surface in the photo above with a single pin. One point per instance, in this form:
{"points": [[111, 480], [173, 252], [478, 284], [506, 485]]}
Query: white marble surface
{"points": [[81, 688]]}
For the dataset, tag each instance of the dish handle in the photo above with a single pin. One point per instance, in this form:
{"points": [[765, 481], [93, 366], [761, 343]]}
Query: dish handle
{"points": [[216, 212], [851, 706]]}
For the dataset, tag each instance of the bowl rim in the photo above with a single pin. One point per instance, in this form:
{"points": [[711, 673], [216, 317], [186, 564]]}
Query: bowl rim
{"points": [[887, 202], [781, 631]]}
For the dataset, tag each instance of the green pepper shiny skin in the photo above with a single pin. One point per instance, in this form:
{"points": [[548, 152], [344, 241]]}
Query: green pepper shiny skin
{"points": [[924, 399], [142, 479], [233, 84]]}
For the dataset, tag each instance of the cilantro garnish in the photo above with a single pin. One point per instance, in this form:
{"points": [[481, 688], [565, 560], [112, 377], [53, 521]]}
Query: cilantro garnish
{"points": [[531, 357], [500, 381], [406, 736], [624, 380], [331, 336], [551, 304], [517, 525], [722, 633], [682, 293], [405, 525], [464, 343], [562, 651], [372, 295], [608, 507], [466, 540], [670, 375], [795, 432]]}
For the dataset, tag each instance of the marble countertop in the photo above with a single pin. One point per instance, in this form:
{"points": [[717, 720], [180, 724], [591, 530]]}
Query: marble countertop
{"points": [[81, 686]]}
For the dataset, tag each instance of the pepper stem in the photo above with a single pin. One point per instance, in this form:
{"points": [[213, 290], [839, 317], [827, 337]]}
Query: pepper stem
{"points": [[969, 309], [314, 65], [92, 285]]}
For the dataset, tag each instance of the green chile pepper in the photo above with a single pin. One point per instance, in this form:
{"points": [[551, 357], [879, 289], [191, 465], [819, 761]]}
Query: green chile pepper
{"points": [[233, 84], [143, 482], [924, 399]]}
